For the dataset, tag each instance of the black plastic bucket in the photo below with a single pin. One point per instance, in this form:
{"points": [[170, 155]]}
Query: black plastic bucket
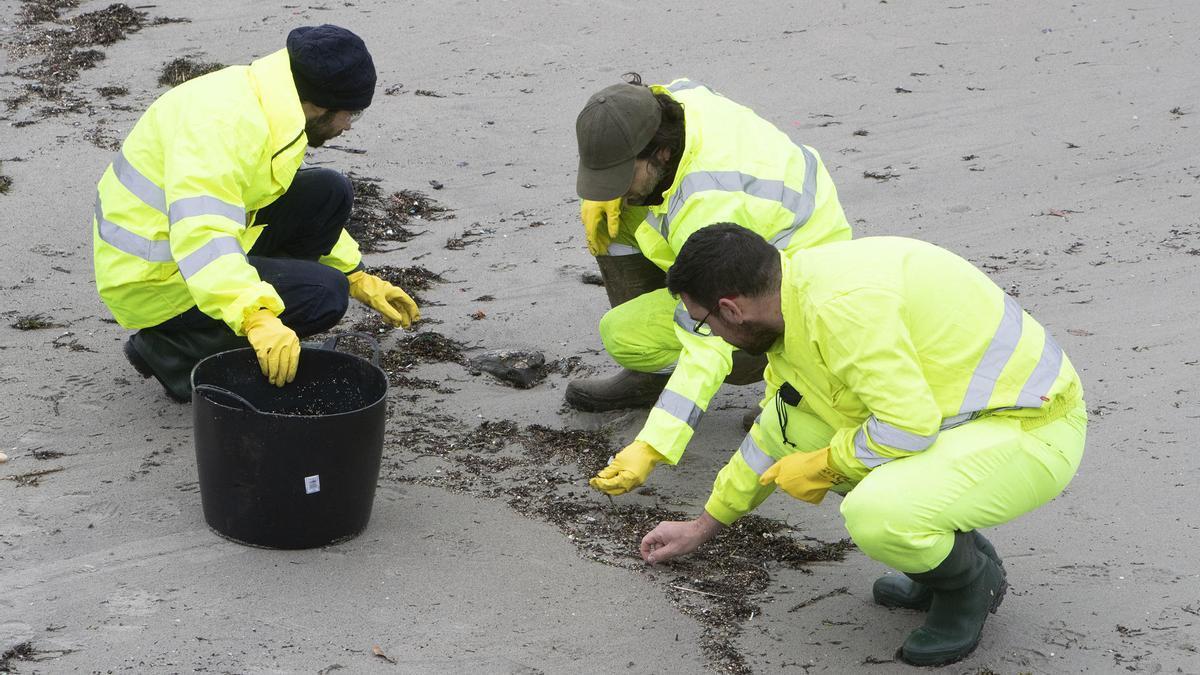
{"points": [[293, 466]]}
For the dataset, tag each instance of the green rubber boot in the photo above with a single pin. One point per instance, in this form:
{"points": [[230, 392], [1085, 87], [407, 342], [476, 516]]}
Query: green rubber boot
{"points": [[967, 586], [897, 590]]}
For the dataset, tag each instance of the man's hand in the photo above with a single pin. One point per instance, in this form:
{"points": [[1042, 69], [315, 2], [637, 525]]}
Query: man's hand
{"points": [[276, 345], [804, 475], [629, 469], [672, 539], [393, 304], [601, 222]]}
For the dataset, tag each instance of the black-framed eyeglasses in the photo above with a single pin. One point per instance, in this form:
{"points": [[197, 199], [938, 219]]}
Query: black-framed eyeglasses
{"points": [[701, 327]]}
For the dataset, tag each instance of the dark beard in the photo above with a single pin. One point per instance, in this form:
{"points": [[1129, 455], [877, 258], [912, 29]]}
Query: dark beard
{"points": [[758, 340], [666, 176], [320, 129]]}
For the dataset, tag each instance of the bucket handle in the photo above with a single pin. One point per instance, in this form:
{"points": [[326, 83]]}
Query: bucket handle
{"points": [[222, 391], [376, 355]]}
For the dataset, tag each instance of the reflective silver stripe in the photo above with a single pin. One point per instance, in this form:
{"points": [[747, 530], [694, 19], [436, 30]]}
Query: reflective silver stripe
{"points": [[621, 249], [885, 434], [865, 454], [799, 203], [666, 370], [959, 419], [999, 351], [686, 322], [657, 223], [197, 260], [869, 457], [684, 85], [1043, 376], [205, 205], [808, 196], [680, 407], [755, 458], [683, 319], [143, 188], [150, 250]]}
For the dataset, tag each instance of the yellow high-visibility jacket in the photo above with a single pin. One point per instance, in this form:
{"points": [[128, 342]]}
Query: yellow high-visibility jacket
{"points": [[738, 168], [890, 341], [174, 213]]}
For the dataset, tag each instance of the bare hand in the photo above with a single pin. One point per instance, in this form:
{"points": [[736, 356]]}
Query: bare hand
{"points": [[672, 539]]}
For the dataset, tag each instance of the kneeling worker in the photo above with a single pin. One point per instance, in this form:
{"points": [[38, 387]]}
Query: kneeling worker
{"points": [[904, 378], [206, 229], [655, 165]]}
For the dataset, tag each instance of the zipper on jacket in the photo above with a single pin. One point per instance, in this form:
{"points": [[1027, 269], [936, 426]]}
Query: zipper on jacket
{"points": [[290, 144]]}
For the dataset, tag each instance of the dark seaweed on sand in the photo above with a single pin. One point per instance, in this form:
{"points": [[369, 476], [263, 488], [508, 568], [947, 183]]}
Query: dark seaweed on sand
{"points": [[378, 217]]}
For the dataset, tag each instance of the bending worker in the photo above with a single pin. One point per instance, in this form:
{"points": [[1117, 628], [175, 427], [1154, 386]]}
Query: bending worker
{"points": [[901, 376], [655, 165], [207, 230]]}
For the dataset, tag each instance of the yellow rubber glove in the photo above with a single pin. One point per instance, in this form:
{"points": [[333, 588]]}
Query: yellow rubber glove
{"points": [[601, 221], [277, 346], [804, 475], [629, 469], [393, 304]]}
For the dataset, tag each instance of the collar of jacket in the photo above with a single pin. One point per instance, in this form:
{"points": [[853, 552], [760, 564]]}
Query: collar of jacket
{"points": [[272, 77], [790, 304]]}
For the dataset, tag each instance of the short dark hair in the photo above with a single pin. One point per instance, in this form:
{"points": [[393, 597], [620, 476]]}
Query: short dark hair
{"points": [[721, 260]]}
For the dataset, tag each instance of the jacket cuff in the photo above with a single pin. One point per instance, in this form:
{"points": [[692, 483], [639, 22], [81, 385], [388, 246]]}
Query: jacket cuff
{"points": [[260, 295], [667, 438], [721, 511]]}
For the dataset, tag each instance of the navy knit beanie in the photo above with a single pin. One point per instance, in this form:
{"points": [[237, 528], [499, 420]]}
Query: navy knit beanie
{"points": [[332, 67]]}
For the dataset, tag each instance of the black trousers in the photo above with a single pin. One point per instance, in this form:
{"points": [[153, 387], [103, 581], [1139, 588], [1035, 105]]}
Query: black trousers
{"points": [[301, 226]]}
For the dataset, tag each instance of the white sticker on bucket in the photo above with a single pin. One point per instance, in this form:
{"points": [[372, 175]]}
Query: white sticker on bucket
{"points": [[312, 484]]}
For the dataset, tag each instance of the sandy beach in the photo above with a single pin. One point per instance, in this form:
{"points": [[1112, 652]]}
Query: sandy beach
{"points": [[1055, 146]]}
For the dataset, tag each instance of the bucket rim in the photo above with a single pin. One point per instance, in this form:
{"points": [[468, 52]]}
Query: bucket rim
{"points": [[387, 385]]}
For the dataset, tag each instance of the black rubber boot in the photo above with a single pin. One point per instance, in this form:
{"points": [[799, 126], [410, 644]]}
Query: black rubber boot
{"points": [[626, 389], [897, 590], [169, 356], [625, 278], [967, 586], [632, 389], [628, 276]]}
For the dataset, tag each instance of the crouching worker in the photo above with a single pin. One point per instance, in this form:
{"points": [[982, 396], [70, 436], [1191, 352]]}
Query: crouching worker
{"points": [[901, 376], [665, 161], [207, 234]]}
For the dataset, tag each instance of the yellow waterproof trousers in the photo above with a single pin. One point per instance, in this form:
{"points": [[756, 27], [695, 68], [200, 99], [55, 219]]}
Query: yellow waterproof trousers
{"points": [[977, 475], [640, 334]]}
